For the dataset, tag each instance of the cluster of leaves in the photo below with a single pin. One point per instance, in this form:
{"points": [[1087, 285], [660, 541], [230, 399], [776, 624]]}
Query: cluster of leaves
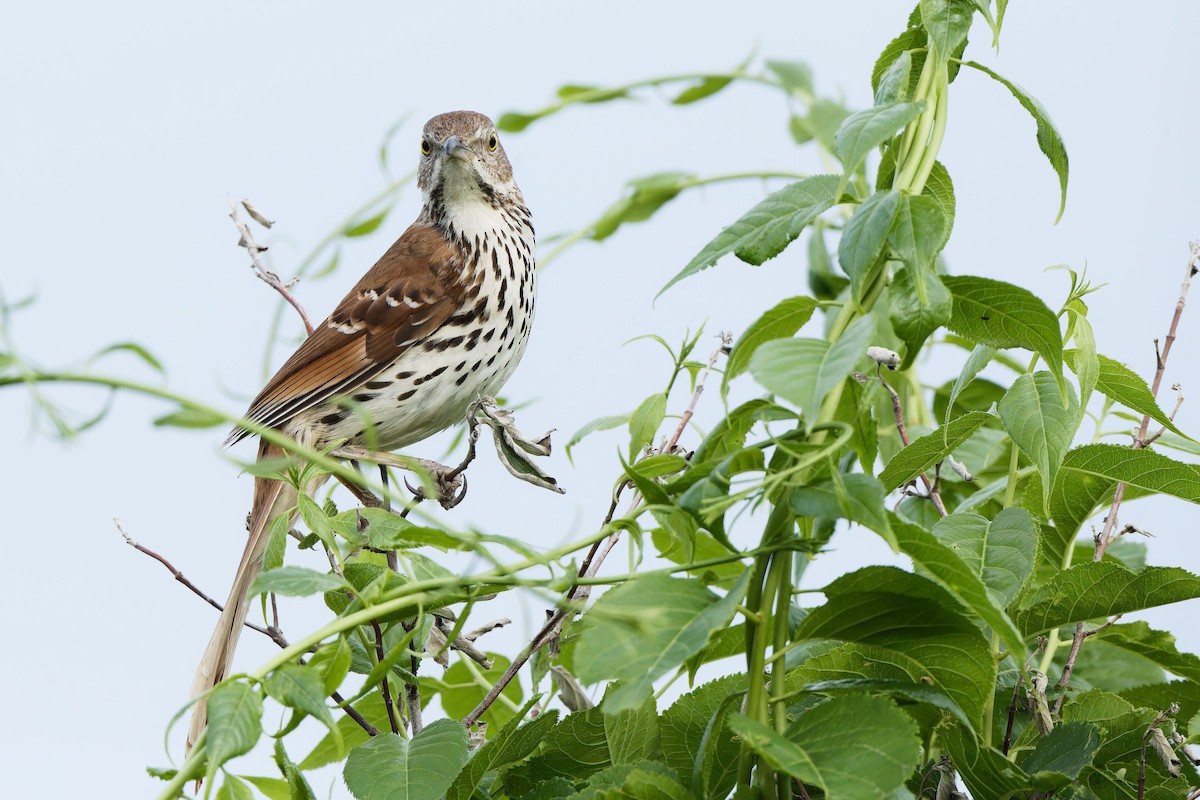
{"points": [[996, 661]]}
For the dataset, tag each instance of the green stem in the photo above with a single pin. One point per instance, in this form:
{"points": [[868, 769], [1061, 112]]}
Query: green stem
{"points": [[922, 92], [989, 709], [929, 158], [1053, 640], [783, 603], [755, 599]]}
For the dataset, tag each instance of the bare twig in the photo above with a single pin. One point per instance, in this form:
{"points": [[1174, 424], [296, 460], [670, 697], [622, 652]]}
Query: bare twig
{"points": [[1109, 532], [384, 687], [264, 274], [931, 490], [1073, 654], [726, 339], [273, 632]]}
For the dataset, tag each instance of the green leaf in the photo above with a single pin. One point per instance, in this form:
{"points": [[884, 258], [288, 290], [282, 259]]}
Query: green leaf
{"points": [[916, 618], [796, 76], [367, 226], [1035, 417], [1101, 589], [690, 724], [600, 424], [589, 94], [947, 22], [632, 733], [1061, 755], [1090, 471], [297, 786], [332, 749], [1086, 363], [273, 788], [980, 357], [913, 318], [860, 668], [999, 552], [918, 234], [387, 531], [865, 130], [234, 724], [985, 770], [575, 749], [823, 282], [302, 689], [765, 230], [966, 584], [854, 746], [894, 82], [1120, 384], [1001, 315], [1158, 646], [190, 417], [514, 742], [388, 767], [861, 249], [931, 448], [234, 788], [317, 520], [297, 582], [332, 661], [855, 497], [135, 348], [516, 121], [640, 630], [1048, 138], [698, 91], [940, 189], [646, 196], [782, 320], [804, 371], [644, 422], [913, 39]]}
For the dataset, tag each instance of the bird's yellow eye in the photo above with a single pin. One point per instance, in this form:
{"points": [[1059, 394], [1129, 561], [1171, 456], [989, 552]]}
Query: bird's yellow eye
{"points": [[425, 150], [493, 143]]}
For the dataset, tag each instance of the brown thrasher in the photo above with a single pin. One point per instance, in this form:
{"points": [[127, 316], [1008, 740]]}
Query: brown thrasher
{"points": [[440, 320]]}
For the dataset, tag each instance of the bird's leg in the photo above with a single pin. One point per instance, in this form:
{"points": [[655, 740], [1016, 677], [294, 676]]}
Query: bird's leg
{"points": [[362, 495], [383, 476]]}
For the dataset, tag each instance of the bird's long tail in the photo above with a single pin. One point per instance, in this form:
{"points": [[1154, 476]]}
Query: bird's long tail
{"points": [[271, 499]]}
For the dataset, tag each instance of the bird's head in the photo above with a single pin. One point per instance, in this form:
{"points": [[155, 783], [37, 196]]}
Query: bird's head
{"points": [[462, 161]]}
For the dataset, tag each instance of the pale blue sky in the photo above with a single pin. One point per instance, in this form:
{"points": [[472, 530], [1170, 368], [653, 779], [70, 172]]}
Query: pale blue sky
{"points": [[128, 126]]}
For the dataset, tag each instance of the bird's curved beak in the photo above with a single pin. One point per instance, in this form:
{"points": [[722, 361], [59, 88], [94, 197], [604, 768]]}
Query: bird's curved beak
{"points": [[452, 146]]}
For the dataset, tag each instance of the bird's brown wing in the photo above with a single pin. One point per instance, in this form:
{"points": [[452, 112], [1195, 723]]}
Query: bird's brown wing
{"points": [[409, 293]]}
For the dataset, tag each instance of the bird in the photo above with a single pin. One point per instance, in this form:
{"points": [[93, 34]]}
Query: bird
{"points": [[440, 320]]}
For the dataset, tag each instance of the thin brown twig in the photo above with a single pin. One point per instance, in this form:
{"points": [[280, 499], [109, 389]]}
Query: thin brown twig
{"points": [[264, 274], [273, 633], [179, 576], [578, 594], [931, 490], [1108, 533], [384, 687]]}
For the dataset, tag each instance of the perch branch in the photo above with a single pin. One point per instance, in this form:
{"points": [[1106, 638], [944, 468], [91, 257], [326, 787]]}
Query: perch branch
{"points": [[1109, 532]]}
